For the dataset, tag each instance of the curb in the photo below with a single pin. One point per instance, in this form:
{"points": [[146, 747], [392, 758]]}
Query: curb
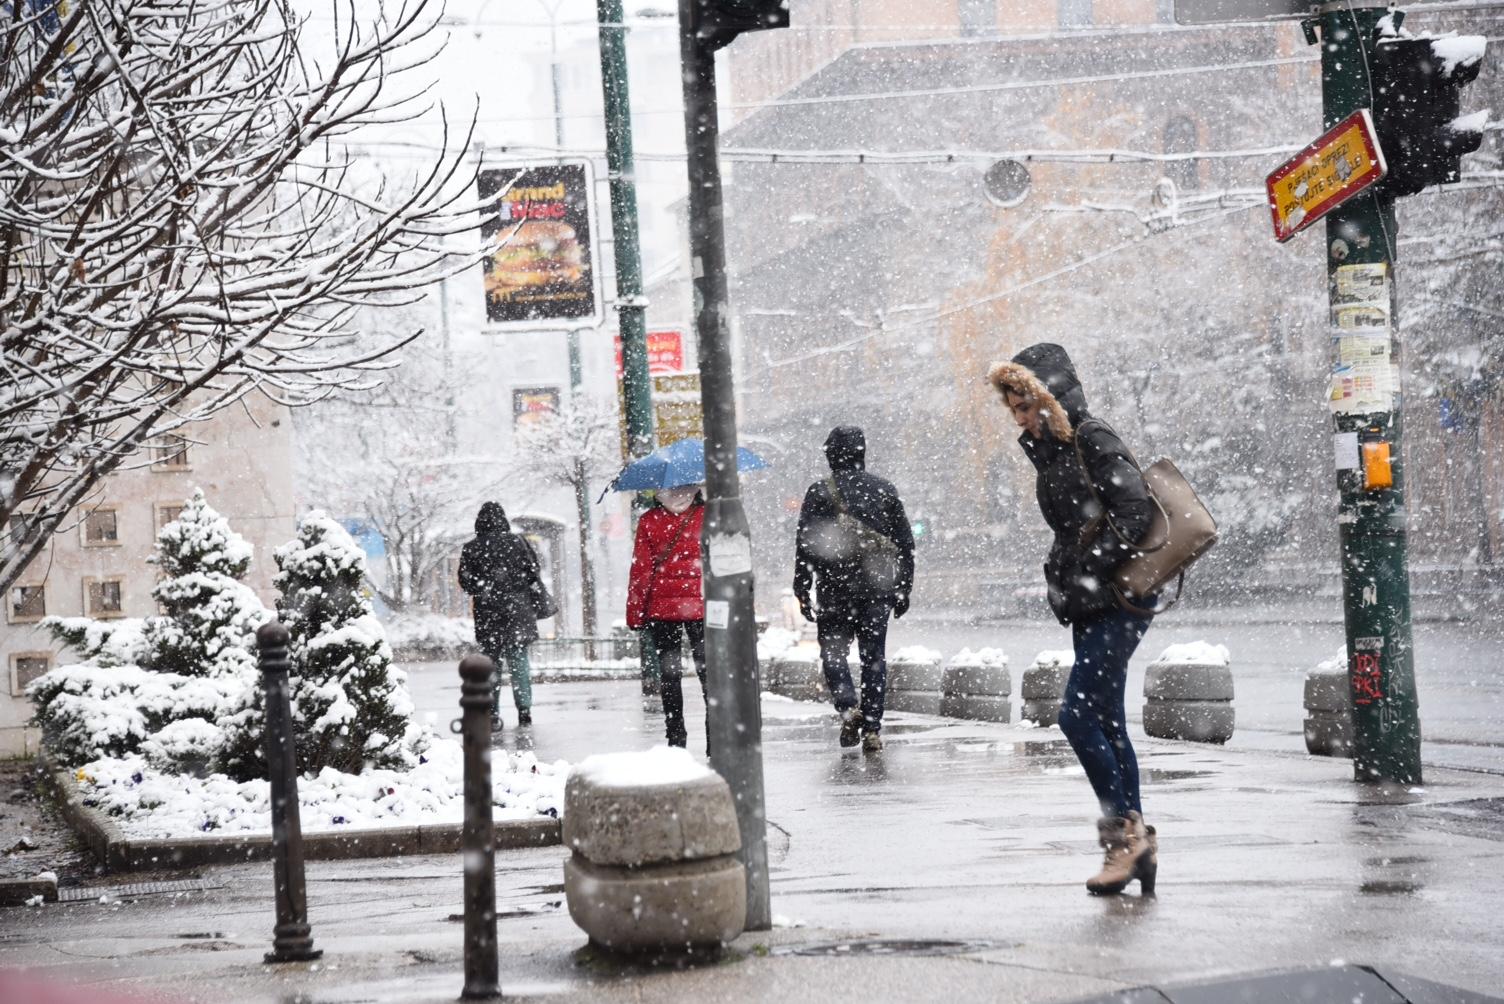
{"points": [[120, 853]]}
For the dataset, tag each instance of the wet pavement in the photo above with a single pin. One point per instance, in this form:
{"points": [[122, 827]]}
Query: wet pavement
{"points": [[949, 866]]}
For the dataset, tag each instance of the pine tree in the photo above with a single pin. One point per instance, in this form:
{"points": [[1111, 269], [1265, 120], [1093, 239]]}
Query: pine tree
{"points": [[350, 705], [210, 615]]}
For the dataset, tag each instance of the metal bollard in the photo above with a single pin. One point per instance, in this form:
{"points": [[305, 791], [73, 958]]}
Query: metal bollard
{"points": [[292, 940], [478, 844]]}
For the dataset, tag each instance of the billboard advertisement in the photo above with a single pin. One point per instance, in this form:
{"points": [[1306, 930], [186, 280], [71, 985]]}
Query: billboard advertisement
{"points": [[540, 271], [531, 404]]}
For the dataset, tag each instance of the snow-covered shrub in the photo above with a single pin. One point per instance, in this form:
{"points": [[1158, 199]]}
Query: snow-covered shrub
{"points": [[422, 636], [180, 686], [88, 711], [350, 704], [211, 616]]}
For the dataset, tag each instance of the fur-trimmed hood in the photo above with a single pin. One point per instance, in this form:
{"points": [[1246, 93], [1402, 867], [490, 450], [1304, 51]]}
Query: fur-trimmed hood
{"points": [[1045, 372]]}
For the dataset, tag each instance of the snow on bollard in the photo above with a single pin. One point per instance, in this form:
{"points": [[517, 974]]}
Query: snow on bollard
{"points": [[1043, 686], [797, 674], [914, 680], [1188, 692], [654, 836], [1329, 708], [976, 686]]}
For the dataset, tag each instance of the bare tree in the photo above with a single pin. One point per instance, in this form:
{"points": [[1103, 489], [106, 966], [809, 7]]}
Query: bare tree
{"points": [[579, 448], [178, 227]]}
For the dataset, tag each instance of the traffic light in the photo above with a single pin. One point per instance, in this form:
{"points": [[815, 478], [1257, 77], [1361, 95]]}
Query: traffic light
{"points": [[1417, 97], [720, 21]]}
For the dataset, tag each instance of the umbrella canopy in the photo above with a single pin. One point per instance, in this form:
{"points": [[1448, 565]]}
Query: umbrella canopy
{"points": [[675, 465]]}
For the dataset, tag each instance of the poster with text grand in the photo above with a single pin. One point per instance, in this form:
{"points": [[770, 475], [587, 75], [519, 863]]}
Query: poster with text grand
{"points": [[541, 268]]}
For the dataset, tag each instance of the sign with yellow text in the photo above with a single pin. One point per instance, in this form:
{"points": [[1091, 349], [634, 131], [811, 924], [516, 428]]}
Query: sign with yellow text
{"points": [[1342, 163]]}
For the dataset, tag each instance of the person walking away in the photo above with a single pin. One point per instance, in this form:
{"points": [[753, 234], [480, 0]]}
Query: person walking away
{"points": [[855, 548], [499, 570], [1079, 459], [666, 599]]}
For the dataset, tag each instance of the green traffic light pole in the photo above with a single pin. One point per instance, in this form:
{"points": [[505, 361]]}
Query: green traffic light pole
{"points": [[1375, 570], [631, 305]]}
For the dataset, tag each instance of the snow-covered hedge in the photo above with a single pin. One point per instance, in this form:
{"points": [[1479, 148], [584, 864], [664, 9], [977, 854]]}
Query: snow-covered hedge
{"points": [[149, 803], [422, 636]]}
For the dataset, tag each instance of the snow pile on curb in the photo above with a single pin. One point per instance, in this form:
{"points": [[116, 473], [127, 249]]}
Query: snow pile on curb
{"points": [[1195, 653], [429, 634], [146, 803], [775, 641]]}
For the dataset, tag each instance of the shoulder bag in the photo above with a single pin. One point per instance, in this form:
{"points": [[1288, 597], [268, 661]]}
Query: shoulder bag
{"points": [[1181, 528]]}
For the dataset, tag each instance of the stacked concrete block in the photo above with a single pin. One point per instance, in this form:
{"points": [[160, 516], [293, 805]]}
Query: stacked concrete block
{"points": [[977, 686], [1329, 709], [797, 674], [653, 837], [1043, 686], [1188, 694], [915, 679]]}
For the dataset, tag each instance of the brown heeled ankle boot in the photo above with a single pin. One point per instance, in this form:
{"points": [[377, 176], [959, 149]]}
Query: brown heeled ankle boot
{"points": [[1125, 858], [1149, 870]]}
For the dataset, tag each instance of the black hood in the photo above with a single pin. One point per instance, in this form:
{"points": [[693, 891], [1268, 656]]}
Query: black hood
{"points": [[846, 448], [1052, 365], [492, 519]]}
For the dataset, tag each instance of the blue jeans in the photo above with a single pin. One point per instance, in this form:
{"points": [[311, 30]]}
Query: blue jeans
{"points": [[1092, 716], [867, 620]]}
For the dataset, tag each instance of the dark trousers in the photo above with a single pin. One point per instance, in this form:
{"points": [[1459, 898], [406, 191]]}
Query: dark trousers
{"points": [[867, 621], [1092, 715], [668, 642]]}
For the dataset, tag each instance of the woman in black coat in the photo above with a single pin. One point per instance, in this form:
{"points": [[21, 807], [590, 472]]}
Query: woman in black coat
{"points": [[498, 569], [1067, 447]]}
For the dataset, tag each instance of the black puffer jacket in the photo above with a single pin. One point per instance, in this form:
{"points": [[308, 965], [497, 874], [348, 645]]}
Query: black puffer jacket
{"points": [[869, 498], [1078, 573], [496, 569]]}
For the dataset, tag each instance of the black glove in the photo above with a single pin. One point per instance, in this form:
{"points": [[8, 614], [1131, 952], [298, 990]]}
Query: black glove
{"points": [[807, 608], [900, 605]]}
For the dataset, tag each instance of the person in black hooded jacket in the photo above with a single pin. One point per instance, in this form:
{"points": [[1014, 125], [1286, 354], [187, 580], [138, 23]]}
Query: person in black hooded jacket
{"points": [[497, 569], [1067, 447], [860, 577]]}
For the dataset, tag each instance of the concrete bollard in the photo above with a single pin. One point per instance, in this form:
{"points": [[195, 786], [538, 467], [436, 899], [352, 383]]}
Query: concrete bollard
{"points": [[1043, 686], [976, 686], [797, 674], [292, 938], [1329, 709], [654, 837], [1188, 692], [915, 680]]}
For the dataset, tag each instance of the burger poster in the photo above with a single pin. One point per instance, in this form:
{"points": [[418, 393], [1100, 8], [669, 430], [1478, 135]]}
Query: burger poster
{"points": [[540, 268]]}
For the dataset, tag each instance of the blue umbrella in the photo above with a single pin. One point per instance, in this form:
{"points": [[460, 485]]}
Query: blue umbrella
{"points": [[675, 465]]}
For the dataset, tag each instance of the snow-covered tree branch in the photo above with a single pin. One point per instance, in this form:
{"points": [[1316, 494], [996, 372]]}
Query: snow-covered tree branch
{"points": [[179, 226]]}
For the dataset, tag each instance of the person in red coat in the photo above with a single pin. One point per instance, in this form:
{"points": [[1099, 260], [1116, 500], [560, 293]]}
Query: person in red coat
{"points": [[665, 596]]}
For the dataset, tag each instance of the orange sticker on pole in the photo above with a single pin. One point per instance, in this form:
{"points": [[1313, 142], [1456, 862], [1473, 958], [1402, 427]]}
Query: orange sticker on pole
{"points": [[1342, 163]]}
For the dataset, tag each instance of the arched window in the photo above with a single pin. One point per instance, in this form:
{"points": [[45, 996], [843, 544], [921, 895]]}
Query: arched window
{"points": [[1180, 137]]}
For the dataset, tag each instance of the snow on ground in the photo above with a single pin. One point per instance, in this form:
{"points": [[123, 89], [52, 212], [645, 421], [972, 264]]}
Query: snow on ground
{"points": [[986, 657], [659, 765], [1195, 653], [915, 653], [146, 803]]}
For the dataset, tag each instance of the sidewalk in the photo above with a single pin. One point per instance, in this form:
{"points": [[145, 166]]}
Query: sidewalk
{"points": [[969, 841]]}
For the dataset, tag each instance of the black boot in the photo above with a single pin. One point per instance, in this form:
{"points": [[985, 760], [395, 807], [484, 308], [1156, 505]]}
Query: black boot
{"points": [[671, 690]]}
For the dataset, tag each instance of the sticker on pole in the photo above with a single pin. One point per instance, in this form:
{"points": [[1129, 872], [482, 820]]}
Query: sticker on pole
{"points": [[1342, 163]]}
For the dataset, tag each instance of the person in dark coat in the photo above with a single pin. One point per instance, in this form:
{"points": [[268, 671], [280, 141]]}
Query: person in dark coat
{"points": [[666, 598], [498, 569], [856, 549], [1044, 396]]}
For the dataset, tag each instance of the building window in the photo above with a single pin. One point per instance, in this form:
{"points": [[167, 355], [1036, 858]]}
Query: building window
{"points": [[978, 17], [1180, 137], [25, 667], [27, 604], [166, 513], [170, 453], [101, 528], [103, 598], [1074, 13]]}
